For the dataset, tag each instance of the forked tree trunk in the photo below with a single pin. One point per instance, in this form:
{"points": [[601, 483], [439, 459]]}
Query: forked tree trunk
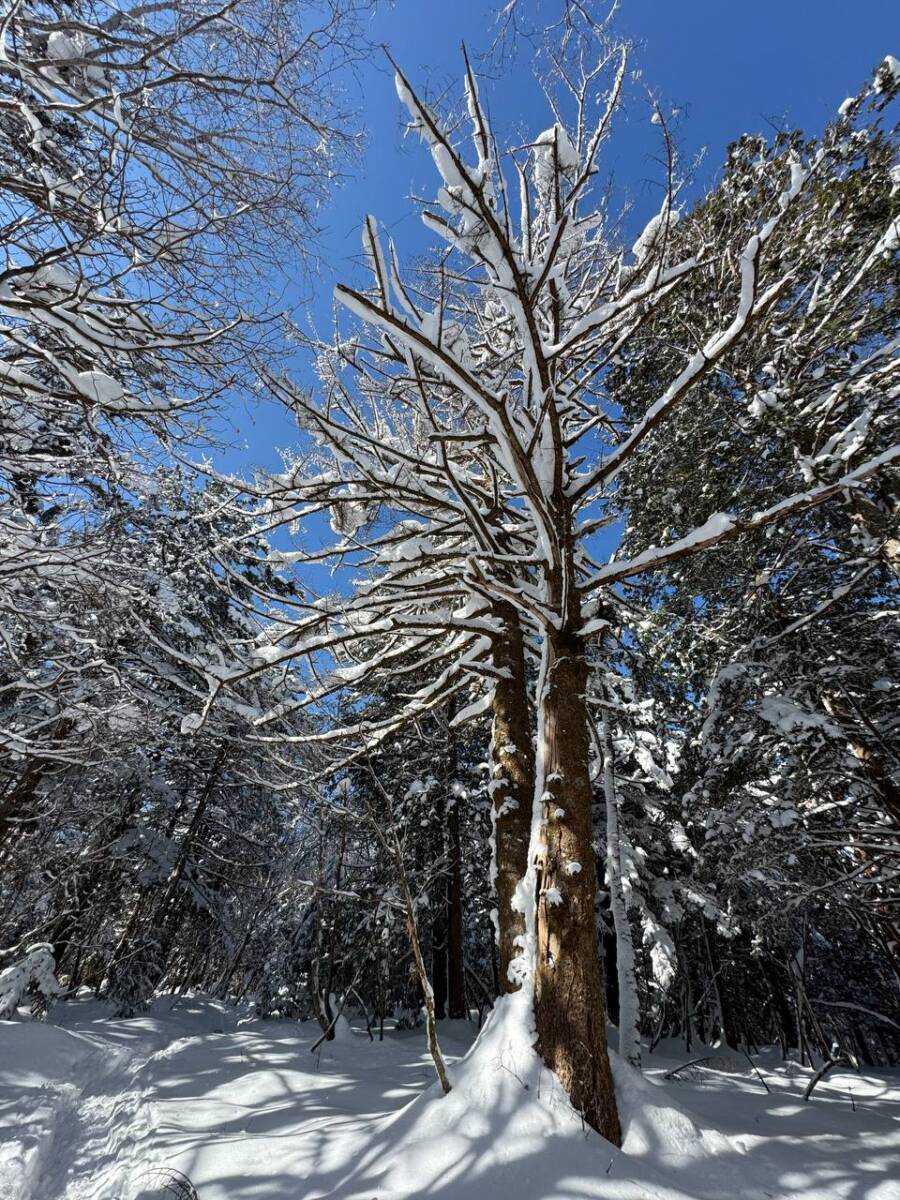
{"points": [[512, 787], [569, 1008]]}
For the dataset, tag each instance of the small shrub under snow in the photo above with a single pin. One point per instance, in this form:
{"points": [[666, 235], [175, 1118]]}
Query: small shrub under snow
{"points": [[32, 975]]}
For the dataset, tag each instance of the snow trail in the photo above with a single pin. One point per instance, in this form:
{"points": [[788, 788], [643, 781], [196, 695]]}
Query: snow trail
{"points": [[248, 1113], [97, 1132]]}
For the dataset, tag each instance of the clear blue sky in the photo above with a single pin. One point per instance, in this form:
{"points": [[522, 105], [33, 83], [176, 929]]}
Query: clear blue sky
{"points": [[734, 66]]}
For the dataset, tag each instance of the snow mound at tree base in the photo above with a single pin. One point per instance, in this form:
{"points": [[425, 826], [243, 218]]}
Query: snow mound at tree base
{"points": [[650, 1127], [507, 1129]]}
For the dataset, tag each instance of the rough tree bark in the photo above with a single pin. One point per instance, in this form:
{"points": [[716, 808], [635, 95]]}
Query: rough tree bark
{"points": [[569, 1009], [512, 786]]}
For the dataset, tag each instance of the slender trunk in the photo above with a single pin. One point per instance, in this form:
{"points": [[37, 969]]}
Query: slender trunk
{"points": [[439, 913], [430, 1022], [688, 999], [320, 995], [610, 965], [512, 792], [456, 963], [171, 906], [18, 798], [427, 993], [92, 873], [629, 1013], [123, 945], [221, 989], [727, 1027], [699, 1006], [780, 1006], [569, 1009], [871, 761], [333, 910], [193, 830], [395, 850]]}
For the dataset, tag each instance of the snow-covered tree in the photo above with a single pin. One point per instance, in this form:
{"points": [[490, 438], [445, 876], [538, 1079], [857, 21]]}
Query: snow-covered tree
{"points": [[476, 443], [152, 160], [776, 656]]}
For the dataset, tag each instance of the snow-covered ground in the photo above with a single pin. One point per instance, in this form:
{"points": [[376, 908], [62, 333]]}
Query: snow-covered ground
{"points": [[89, 1106]]}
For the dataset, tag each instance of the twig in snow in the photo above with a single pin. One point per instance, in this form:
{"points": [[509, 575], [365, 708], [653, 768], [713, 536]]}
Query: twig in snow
{"points": [[684, 1066], [757, 1071], [820, 1074]]}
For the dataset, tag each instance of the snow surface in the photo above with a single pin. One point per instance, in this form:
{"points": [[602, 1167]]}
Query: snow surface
{"points": [[90, 1105]]}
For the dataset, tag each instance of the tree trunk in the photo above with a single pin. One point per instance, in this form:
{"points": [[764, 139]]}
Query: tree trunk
{"points": [[456, 963], [512, 790], [629, 1014], [123, 945], [781, 1008], [434, 1048], [610, 966], [427, 993], [439, 912], [87, 878], [19, 798], [870, 760], [169, 910], [221, 988], [727, 1028], [569, 1009]]}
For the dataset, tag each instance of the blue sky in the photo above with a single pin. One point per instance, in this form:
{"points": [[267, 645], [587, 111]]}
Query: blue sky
{"points": [[732, 66], [729, 66]]}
